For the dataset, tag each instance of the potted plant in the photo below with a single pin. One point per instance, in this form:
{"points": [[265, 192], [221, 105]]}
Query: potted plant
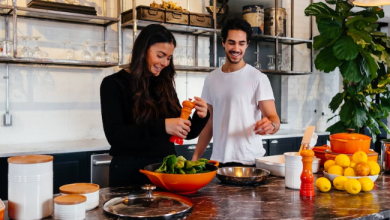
{"points": [[350, 41]]}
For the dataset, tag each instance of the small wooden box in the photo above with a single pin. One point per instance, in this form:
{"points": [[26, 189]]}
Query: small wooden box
{"points": [[145, 13], [201, 20]]}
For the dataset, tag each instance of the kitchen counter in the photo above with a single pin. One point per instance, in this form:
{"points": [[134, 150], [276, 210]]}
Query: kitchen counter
{"points": [[9, 150], [272, 201]]}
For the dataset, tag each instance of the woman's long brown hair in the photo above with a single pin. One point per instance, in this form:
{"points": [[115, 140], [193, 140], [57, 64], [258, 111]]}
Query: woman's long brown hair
{"points": [[160, 100]]}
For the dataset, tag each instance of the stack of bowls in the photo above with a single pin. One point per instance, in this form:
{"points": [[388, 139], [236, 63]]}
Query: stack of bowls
{"points": [[69, 207], [349, 143], [89, 190]]}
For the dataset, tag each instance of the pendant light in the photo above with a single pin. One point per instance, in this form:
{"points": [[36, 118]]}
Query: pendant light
{"points": [[368, 3]]}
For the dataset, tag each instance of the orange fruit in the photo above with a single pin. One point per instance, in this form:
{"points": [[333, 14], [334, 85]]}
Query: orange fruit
{"points": [[362, 169]]}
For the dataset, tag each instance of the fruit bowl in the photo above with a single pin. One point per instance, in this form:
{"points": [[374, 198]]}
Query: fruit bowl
{"points": [[331, 177]]}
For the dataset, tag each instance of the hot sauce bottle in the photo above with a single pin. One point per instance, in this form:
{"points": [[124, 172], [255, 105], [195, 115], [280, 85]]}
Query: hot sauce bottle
{"points": [[185, 114]]}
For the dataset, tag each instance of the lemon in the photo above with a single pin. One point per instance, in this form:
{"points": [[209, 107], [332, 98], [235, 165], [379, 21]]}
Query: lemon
{"points": [[339, 181], [349, 172], [374, 168], [323, 184], [352, 164], [342, 160], [336, 169], [367, 184], [328, 164], [359, 156], [352, 186]]}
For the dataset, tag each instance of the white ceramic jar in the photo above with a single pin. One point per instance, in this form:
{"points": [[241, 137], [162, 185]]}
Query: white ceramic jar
{"points": [[30, 187], [70, 207], [293, 170], [89, 190]]}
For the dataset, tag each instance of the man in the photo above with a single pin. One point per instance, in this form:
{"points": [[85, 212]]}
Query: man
{"points": [[237, 95]]}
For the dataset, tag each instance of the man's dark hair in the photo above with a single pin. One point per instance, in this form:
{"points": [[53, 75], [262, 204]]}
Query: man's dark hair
{"points": [[236, 24]]}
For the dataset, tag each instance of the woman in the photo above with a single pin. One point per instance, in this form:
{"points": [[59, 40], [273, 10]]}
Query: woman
{"points": [[140, 108]]}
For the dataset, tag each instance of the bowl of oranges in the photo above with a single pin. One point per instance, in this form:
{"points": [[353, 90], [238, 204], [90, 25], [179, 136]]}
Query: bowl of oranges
{"points": [[358, 174]]}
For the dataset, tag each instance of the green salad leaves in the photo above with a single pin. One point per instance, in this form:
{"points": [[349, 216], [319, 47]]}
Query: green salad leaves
{"points": [[179, 165]]}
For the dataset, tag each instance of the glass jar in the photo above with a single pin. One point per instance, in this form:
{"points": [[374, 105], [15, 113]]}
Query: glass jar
{"points": [[385, 155], [7, 48]]}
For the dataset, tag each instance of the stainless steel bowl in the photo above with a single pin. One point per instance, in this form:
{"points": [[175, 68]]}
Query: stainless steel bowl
{"points": [[242, 175]]}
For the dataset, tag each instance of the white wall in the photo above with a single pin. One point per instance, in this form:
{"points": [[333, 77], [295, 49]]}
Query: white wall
{"points": [[62, 103]]}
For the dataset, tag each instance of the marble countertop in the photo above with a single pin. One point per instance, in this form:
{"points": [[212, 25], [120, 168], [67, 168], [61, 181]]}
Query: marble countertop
{"points": [[9, 150], [272, 200]]}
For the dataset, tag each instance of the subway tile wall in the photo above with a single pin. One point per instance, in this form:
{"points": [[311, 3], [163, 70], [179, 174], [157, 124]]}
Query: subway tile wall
{"points": [[63, 103]]}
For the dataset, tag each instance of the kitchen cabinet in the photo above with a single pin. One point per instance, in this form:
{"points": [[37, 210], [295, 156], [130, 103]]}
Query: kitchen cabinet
{"points": [[188, 150], [266, 147], [280, 146]]}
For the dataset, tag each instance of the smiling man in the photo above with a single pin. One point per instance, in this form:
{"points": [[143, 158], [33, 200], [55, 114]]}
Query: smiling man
{"points": [[237, 95]]}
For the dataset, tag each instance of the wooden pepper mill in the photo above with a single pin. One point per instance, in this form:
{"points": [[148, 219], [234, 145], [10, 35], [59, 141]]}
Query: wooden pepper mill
{"points": [[185, 114], [307, 177]]}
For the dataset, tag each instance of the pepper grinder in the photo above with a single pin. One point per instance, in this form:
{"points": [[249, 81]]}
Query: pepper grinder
{"points": [[185, 114], [307, 177]]}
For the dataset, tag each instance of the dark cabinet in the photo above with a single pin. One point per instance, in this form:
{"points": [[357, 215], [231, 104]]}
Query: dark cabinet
{"points": [[266, 147], [322, 140], [4, 178], [70, 168], [280, 146], [188, 150]]}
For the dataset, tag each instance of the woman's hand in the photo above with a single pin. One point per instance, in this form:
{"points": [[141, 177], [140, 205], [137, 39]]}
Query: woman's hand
{"points": [[177, 126], [201, 107]]}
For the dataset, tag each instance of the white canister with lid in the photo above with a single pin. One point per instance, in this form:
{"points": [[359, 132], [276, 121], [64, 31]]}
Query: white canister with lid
{"points": [[30, 187], [89, 190], [70, 207], [294, 167]]}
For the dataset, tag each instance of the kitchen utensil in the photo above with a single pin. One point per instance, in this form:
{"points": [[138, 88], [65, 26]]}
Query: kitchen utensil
{"points": [[349, 143], [276, 164], [307, 137], [319, 152], [242, 175], [2, 209], [89, 190], [185, 114], [331, 177], [149, 205], [30, 187], [181, 183], [307, 177], [371, 155], [69, 207], [385, 155]]}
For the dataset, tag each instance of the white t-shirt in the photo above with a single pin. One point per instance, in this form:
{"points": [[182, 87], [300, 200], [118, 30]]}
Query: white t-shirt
{"points": [[234, 97]]}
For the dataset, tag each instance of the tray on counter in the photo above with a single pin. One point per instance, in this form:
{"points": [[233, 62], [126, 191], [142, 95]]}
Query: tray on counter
{"points": [[56, 6]]}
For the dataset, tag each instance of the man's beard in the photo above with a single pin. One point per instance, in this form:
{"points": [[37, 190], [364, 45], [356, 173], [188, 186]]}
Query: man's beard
{"points": [[227, 55]]}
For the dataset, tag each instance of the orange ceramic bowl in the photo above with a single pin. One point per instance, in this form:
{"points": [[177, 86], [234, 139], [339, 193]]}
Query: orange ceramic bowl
{"points": [[181, 183], [372, 155], [2, 209], [319, 152], [349, 143]]}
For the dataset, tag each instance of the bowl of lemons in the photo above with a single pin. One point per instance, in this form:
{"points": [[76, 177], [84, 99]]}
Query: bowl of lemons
{"points": [[353, 176]]}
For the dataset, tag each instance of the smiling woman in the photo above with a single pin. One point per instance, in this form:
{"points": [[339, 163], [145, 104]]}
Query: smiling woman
{"points": [[140, 108]]}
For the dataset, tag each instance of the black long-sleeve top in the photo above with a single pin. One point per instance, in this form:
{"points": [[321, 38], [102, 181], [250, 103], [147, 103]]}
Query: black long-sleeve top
{"points": [[125, 136]]}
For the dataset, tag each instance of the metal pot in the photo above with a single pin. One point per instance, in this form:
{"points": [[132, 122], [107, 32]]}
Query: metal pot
{"points": [[349, 143], [242, 175]]}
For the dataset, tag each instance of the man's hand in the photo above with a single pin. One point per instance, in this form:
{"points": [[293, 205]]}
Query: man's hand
{"points": [[264, 127]]}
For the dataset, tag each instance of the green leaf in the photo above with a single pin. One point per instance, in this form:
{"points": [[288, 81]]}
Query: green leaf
{"points": [[320, 42], [385, 103], [364, 82], [342, 8], [361, 25], [330, 29], [350, 21], [379, 47], [338, 127], [345, 48], [368, 64], [352, 91], [384, 126], [346, 111], [329, 119], [374, 26], [378, 34], [361, 34], [350, 70], [336, 101], [321, 10], [326, 61], [360, 116], [331, 2]]}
